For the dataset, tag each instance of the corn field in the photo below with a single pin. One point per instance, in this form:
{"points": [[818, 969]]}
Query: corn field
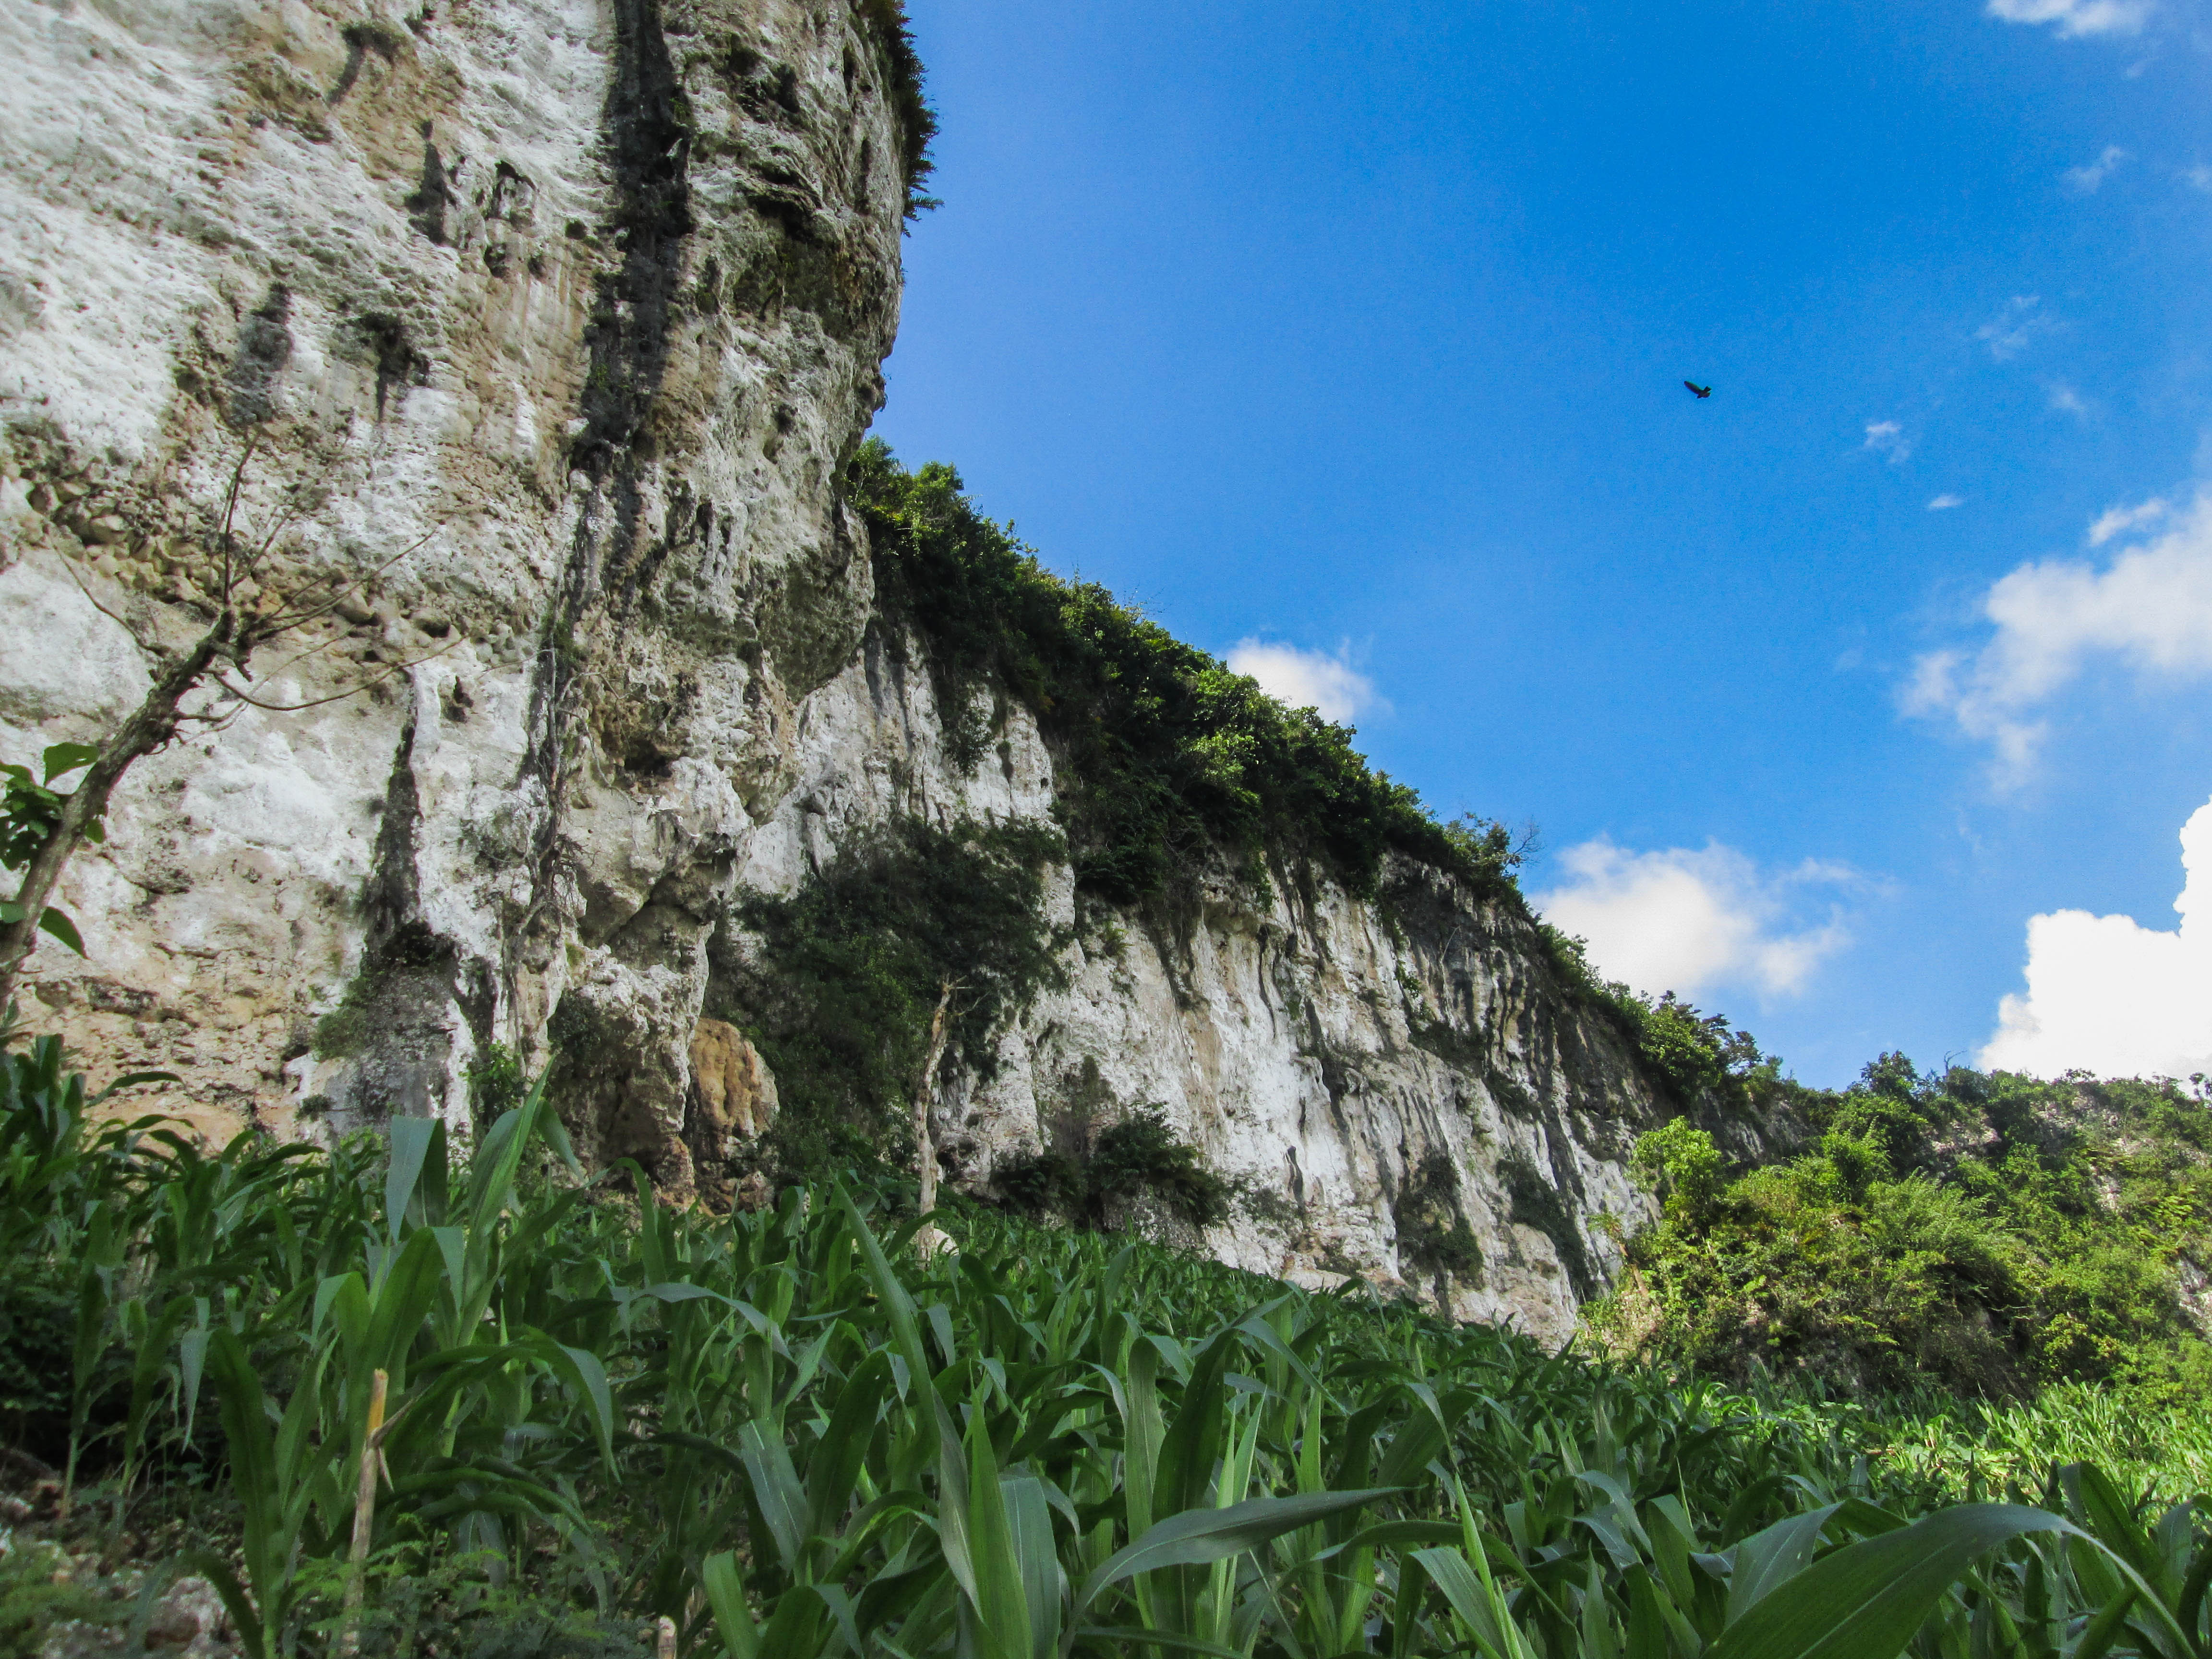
{"points": [[786, 1434]]}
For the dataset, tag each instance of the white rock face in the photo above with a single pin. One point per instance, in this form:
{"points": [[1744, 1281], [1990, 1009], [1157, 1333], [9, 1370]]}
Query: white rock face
{"points": [[553, 323]]}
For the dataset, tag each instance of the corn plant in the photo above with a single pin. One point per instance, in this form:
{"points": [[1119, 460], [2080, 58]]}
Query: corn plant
{"points": [[791, 1433]]}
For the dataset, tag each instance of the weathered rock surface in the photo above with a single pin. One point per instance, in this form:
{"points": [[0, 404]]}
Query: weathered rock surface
{"points": [[554, 321]]}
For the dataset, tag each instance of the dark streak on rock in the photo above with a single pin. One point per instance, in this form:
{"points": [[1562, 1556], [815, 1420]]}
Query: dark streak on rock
{"points": [[360, 39], [427, 206], [398, 937], [648, 147], [264, 346], [398, 363]]}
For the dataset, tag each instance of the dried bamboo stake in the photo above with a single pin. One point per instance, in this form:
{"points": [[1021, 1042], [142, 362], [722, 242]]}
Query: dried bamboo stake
{"points": [[364, 1517], [929, 1240], [667, 1634]]}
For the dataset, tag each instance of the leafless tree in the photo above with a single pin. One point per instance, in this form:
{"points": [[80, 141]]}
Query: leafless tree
{"points": [[258, 601]]}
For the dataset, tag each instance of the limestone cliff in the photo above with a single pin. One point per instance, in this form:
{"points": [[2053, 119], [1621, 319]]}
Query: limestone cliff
{"points": [[557, 322]]}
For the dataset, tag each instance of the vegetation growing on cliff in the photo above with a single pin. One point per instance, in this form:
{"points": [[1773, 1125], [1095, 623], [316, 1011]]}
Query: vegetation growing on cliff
{"points": [[1138, 1156], [1697, 1056], [1167, 759], [1988, 1234], [852, 966], [917, 121]]}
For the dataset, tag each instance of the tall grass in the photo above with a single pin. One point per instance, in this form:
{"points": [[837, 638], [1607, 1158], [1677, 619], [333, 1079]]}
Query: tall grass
{"points": [[788, 1436]]}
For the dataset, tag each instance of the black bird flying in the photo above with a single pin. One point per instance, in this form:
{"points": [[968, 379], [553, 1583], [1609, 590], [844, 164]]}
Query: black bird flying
{"points": [[1702, 391]]}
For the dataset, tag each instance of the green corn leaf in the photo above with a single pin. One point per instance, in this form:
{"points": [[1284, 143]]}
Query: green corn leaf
{"points": [[726, 1598], [2111, 1519], [794, 1629], [252, 1635], [906, 1326], [1029, 1516], [411, 1140], [132, 1080], [1001, 1606], [1866, 1599], [1198, 1536], [2097, 1638], [1600, 1632], [1474, 1597], [842, 1450], [254, 1475], [1767, 1559], [776, 1490], [581, 1369], [399, 1303], [1192, 1443], [1142, 1431]]}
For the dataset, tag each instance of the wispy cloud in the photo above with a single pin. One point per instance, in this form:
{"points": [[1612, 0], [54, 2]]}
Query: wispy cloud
{"points": [[1887, 440], [1694, 920], [2109, 995], [1945, 503], [2087, 179], [2198, 177], [2076, 17], [2118, 521], [2066, 400], [2012, 329], [2149, 610], [1308, 679]]}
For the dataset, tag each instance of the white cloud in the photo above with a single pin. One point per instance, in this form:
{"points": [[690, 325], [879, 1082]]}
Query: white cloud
{"points": [[1888, 439], [2150, 609], [2010, 332], [2117, 520], [1945, 503], [1307, 679], [2198, 177], [1689, 921], [2076, 17], [2110, 996], [2085, 180], [2066, 400]]}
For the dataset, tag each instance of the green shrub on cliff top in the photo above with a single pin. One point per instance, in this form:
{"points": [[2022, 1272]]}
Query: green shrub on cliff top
{"points": [[1166, 757]]}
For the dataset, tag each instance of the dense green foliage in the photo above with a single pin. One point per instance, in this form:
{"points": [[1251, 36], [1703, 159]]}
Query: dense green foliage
{"points": [[1696, 1056], [788, 1437], [30, 810], [851, 968], [1167, 760], [1988, 1234], [1138, 1157]]}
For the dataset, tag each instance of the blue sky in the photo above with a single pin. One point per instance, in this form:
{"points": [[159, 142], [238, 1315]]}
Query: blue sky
{"points": [[1359, 333]]}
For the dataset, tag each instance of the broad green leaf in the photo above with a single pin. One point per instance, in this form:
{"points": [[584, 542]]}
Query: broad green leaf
{"points": [[61, 757], [412, 1139], [1767, 1559], [726, 1596], [1866, 1599], [58, 925], [776, 1490], [1198, 1536]]}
